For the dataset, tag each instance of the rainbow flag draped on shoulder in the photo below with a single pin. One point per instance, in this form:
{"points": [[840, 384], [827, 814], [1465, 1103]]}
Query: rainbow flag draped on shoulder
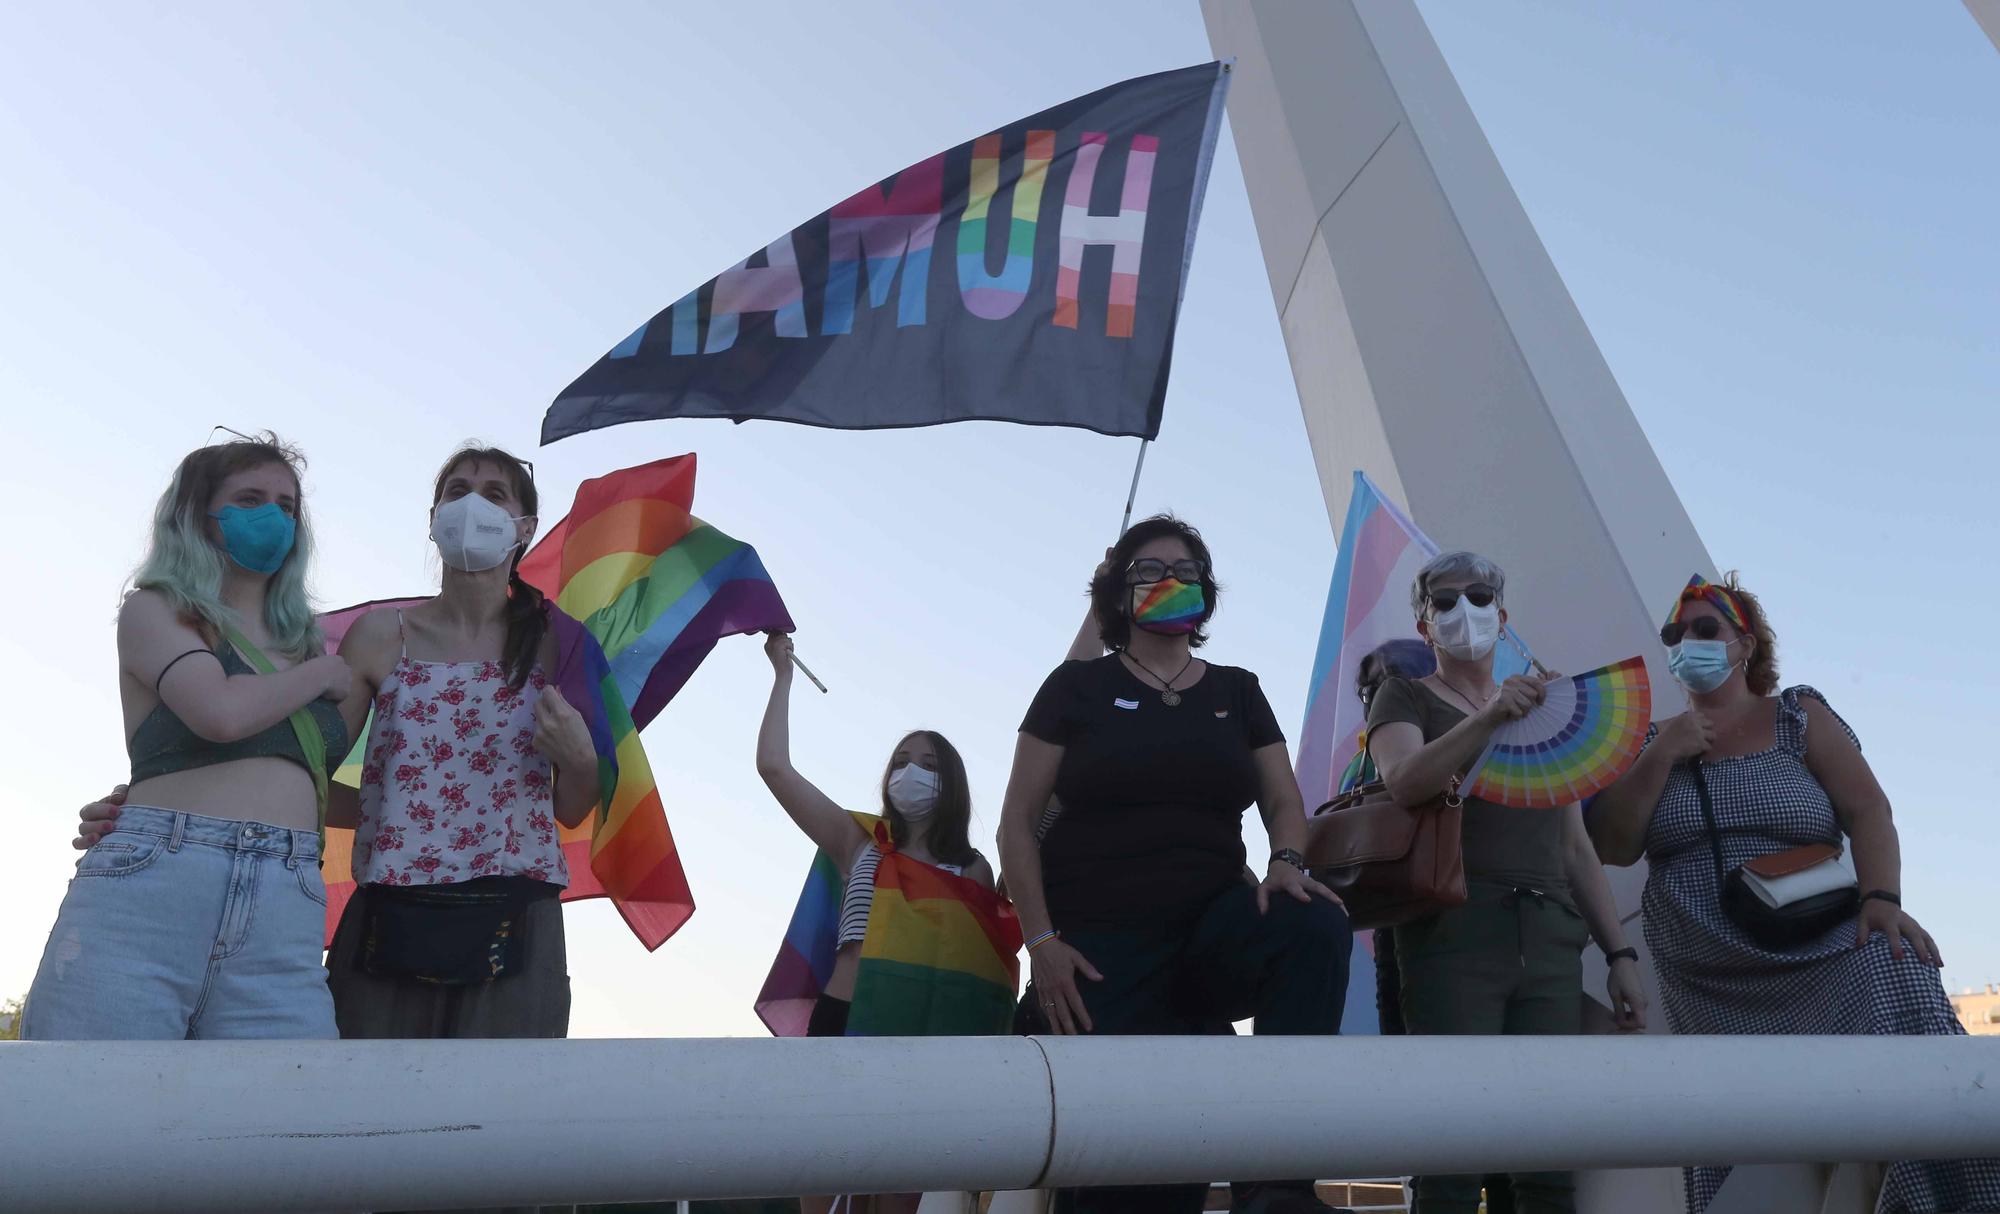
{"points": [[805, 960], [640, 591], [940, 957], [633, 860]]}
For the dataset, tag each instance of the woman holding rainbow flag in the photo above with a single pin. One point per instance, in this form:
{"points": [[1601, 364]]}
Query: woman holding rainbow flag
{"points": [[472, 759], [926, 821], [899, 967], [901, 929]]}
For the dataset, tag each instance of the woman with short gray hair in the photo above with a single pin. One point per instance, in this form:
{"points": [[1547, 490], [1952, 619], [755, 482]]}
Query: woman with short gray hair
{"points": [[1509, 961]]}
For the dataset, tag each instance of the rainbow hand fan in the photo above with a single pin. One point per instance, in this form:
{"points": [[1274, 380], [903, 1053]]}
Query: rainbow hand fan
{"points": [[1576, 742]]}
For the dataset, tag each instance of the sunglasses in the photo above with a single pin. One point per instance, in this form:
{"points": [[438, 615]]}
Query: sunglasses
{"points": [[1149, 570], [1479, 594], [1702, 628]]}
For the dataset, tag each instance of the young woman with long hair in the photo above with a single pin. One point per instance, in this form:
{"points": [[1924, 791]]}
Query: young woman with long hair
{"points": [[926, 814], [473, 758], [199, 915]]}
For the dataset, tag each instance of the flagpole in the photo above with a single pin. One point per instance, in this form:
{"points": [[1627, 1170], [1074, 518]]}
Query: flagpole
{"points": [[1133, 494], [1531, 659], [807, 671]]}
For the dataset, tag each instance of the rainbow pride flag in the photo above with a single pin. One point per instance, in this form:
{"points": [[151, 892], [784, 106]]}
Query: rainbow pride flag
{"points": [[633, 860], [805, 959], [655, 585], [940, 957]]}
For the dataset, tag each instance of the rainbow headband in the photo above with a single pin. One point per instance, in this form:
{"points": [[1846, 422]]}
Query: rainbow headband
{"points": [[1722, 598], [1169, 605]]}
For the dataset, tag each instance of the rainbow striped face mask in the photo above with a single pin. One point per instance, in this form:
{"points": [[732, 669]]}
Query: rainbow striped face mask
{"points": [[1168, 606]]}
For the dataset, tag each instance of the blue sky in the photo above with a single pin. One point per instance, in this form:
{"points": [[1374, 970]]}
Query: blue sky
{"points": [[384, 229]]}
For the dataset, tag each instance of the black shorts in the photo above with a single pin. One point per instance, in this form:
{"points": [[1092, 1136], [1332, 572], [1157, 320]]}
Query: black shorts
{"points": [[829, 1017]]}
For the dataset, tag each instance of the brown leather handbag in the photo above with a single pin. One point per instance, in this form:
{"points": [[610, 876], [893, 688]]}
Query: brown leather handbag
{"points": [[1389, 864]]}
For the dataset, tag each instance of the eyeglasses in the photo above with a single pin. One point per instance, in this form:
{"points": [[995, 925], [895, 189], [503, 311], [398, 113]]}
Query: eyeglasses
{"points": [[1480, 594], [1150, 570], [1704, 628]]}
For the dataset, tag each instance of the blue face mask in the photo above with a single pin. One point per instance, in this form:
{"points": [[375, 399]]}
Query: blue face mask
{"points": [[258, 538], [1700, 666]]}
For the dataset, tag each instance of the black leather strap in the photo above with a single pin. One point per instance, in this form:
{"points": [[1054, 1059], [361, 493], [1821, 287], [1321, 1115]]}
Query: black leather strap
{"points": [[1883, 895], [160, 677], [1290, 856], [1708, 816]]}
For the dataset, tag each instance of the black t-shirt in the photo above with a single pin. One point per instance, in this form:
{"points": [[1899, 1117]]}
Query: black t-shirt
{"points": [[1153, 795]]}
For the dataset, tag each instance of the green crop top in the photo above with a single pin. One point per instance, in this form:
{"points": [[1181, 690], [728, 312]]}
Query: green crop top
{"points": [[163, 743]]}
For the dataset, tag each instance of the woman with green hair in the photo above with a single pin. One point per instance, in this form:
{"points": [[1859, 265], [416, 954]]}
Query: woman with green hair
{"points": [[200, 915]]}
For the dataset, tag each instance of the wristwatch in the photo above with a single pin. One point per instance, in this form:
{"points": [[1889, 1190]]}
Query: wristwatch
{"points": [[1289, 856]]}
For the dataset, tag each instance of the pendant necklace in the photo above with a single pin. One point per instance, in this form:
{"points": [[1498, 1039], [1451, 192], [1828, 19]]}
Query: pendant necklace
{"points": [[1168, 695], [1463, 698]]}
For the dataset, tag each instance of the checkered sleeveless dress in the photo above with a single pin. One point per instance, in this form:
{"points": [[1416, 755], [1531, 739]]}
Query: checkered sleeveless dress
{"points": [[1714, 979]]}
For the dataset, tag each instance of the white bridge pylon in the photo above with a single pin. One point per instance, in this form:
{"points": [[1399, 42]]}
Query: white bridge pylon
{"points": [[1435, 347]]}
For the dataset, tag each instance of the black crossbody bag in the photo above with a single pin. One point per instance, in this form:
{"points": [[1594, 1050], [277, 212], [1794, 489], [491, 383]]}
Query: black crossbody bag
{"points": [[1777, 928]]}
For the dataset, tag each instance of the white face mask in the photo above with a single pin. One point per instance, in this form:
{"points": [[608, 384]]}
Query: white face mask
{"points": [[1467, 632], [913, 791], [473, 534]]}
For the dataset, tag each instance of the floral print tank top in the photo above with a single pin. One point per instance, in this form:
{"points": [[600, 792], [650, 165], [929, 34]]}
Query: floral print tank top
{"points": [[452, 787]]}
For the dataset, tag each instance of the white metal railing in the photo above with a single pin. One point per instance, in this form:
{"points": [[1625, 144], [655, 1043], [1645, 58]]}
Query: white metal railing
{"points": [[93, 1126]]}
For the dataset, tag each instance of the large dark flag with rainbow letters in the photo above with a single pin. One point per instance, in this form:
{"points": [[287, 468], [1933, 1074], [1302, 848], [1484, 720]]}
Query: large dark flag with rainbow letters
{"points": [[1065, 240]]}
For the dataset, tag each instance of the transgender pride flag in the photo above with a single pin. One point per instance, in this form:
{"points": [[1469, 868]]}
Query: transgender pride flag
{"points": [[1367, 604]]}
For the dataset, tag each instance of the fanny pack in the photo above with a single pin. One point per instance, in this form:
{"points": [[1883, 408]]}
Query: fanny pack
{"points": [[1786, 898], [454, 935]]}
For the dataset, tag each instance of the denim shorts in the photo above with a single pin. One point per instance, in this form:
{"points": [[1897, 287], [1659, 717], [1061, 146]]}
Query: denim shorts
{"points": [[178, 926]]}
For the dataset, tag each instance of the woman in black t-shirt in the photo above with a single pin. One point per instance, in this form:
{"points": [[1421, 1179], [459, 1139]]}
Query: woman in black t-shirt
{"points": [[1138, 915]]}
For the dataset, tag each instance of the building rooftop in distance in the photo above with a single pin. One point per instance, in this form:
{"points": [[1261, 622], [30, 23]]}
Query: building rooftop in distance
{"points": [[1979, 1011]]}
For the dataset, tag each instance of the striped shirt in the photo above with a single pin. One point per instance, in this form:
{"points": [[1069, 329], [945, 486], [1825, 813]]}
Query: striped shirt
{"points": [[859, 897]]}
